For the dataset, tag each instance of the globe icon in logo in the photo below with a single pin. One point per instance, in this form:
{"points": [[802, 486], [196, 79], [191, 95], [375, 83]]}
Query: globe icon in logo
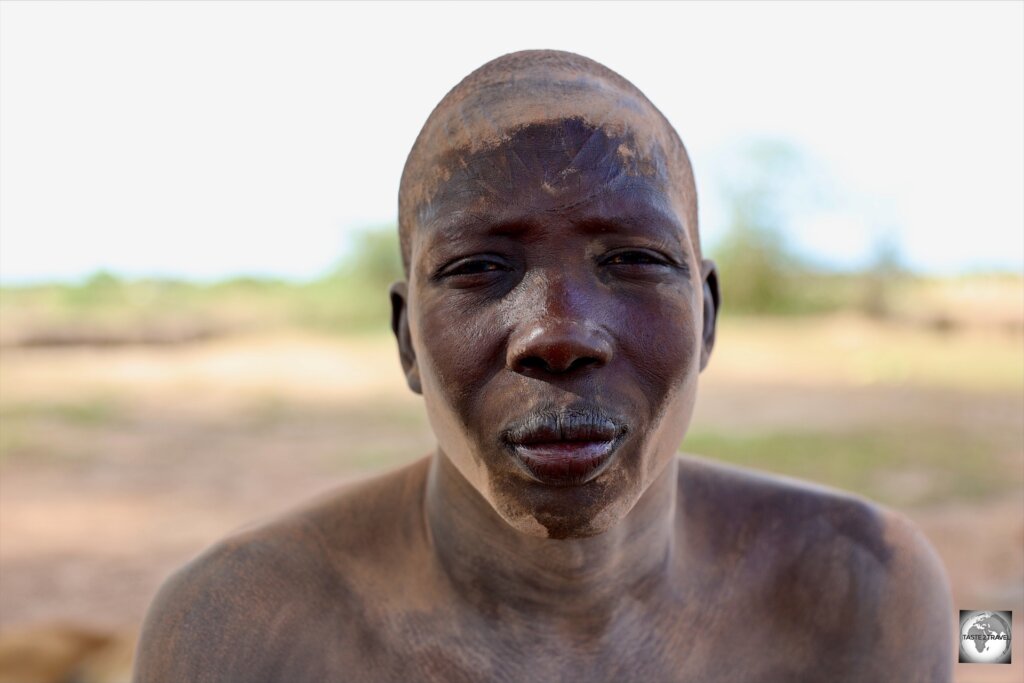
{"points": [[984, 637]]}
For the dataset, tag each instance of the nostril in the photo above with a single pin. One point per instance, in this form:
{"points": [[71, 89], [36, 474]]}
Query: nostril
{"points": [[534, 363], [557, 365], [586, 361]]}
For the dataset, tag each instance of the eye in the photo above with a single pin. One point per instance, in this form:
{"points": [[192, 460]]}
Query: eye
{"points": [[472, 271], [635, 257], [472, 267]]}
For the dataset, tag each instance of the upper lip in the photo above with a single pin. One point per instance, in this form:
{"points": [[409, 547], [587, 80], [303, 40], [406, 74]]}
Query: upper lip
{"points": [[574, 424]]}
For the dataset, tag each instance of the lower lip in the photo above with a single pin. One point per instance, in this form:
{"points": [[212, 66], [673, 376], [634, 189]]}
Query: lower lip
{"points": [[565, 463]]}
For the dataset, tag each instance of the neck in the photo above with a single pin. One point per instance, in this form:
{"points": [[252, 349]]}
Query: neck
{"points": [[496, 567]]}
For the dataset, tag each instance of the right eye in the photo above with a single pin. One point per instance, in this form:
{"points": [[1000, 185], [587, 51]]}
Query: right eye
{"points": [[473, 270], [472, 267]]}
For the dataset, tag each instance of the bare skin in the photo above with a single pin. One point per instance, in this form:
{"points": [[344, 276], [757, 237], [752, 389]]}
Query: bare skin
{"points": [[556, 317]]}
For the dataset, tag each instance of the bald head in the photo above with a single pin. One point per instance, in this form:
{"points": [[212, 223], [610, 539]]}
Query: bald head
{"points": [[539, 88]]}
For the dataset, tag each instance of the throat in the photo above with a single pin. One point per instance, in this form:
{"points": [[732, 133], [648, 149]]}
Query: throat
{"points": [[496, 568]]}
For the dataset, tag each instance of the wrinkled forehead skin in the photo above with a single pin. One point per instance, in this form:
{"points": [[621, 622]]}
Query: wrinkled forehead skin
{"points": [[526, 89]]}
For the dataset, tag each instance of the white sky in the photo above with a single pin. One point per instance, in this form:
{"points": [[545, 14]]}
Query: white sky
{"points": [[204, 139]]}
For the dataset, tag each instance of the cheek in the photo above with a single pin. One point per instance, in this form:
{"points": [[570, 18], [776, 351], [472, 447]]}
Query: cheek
{"points": [[458, 349], [663, 344], [660, 338]]}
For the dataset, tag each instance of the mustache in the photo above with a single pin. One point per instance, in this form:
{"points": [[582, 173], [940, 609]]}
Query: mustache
{"points": [[577, 422]]}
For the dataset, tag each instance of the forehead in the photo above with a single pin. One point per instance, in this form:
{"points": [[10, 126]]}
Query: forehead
{"points": [[559, 172], [546, 163], [490, 130], [474, 119]]}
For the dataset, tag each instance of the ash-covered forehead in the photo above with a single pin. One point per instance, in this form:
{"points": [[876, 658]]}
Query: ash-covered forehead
{"points": [[523, 89]]}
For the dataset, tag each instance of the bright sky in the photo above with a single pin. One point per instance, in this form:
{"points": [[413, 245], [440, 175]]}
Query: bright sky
{"points": [[204, 139]]}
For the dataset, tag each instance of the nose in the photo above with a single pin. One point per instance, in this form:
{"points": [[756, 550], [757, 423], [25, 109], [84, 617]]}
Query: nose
{"points": [[559, 348], [561, 337]]}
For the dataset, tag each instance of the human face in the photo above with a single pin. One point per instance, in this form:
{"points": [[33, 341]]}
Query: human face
{"points": [[555, 323]]}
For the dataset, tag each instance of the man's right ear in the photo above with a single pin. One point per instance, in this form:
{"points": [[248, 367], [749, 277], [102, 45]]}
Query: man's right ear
{"points": [[399, 292]]}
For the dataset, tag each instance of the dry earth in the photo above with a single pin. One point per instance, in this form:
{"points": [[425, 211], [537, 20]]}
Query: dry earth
{"points": [[121, 464]]}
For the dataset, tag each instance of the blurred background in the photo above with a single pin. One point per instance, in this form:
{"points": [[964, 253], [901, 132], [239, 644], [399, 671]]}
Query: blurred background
{"points": [[197, 210]]}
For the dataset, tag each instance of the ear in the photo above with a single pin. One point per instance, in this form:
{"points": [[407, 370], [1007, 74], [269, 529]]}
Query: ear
{"points": [[399, 292], [712, 304]]}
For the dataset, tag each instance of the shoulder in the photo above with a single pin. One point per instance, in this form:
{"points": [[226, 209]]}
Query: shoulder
{"points": [[739, 508], [258, 598], [918, 626], [822, 561], [215, 618]]}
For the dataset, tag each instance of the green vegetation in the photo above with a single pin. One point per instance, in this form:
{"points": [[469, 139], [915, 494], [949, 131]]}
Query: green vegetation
{"points": [[353, 298], [768, 187], [915, 465], [64, 429], [757, 271], [107, 310], [85, 411]]}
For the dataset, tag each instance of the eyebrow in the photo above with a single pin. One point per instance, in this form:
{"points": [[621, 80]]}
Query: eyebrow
{"points": [[666, 225], [640, 220]]}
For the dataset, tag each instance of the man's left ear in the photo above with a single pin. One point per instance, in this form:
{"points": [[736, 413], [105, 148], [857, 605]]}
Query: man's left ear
{"points": [[399, 292], [712, 304]]}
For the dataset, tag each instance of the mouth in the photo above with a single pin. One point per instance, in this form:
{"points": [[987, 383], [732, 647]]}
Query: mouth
{"points": [[564, 448]]}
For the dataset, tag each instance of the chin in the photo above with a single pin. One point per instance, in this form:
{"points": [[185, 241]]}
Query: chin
{"points": [[565, 512]]}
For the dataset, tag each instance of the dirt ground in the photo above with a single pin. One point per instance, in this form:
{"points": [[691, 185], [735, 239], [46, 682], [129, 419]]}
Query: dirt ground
{"points": [[121, 464]]}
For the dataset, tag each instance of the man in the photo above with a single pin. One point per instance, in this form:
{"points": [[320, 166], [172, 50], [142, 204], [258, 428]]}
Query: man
{"points": [[556, 316]]}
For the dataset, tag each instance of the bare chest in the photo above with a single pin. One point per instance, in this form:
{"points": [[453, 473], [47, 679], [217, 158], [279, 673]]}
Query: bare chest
{"points": [[682, 643]]}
